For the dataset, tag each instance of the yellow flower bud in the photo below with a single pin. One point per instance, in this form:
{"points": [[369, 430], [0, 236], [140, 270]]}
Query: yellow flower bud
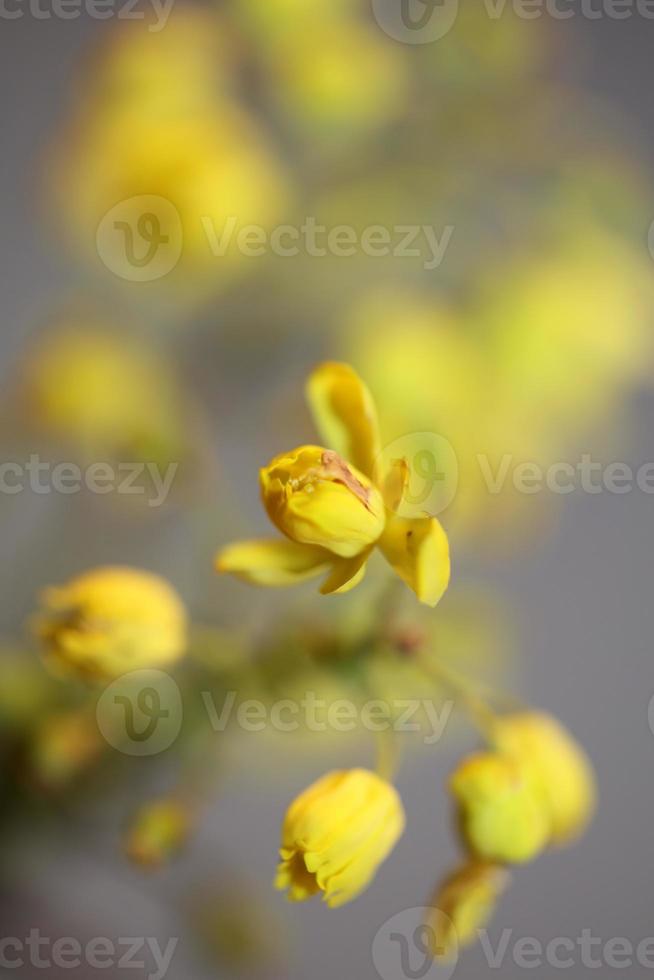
{"points": [[336, 834], [502, 814], [465, 901], [112, 620], [314, 497], [157, 832], [559, 766]]}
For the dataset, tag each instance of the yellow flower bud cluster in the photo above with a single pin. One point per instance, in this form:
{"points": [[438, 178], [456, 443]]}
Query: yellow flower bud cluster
{"points": [[534, 789]]}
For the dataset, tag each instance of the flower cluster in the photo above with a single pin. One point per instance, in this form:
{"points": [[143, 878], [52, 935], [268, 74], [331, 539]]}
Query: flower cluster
{"points": [[335, 504], [533, 788]]}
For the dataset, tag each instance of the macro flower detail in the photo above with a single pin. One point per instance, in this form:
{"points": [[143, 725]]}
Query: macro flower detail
{"points": [[111, 620], [501, 813], [315, 498], [336, 834], [535, 789], [334, 507], [462, 904], [559, 766]]}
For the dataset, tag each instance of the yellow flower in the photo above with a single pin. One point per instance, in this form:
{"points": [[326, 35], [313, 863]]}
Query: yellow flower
{"points": [[462, 905], [160, 144], [102, 391], [558, 764], [315, 498], [112, 620], [63, 747], [502, 815], [330, 504], [352, 83], [336, 834], [158, 831]]}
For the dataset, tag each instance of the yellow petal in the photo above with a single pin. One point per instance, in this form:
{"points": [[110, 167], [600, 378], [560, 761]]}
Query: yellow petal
{"points": [[315, 497], [344, 413], [418, 551], [345, 574], [272, 563]]}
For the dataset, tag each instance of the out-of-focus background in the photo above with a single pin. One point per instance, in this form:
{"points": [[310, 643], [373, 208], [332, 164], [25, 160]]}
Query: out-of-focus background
{"points": [[526, 146]]}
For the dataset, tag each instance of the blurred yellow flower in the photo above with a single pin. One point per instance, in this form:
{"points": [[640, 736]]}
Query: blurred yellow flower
{"points": [[162, 148], [63, 746], [332, 514], [353, 81], [157, 832], [462, 904], [501, 812], [545, 349], [112, 620], [558, 764], [156, 65], [108, 395], [336, 834]]}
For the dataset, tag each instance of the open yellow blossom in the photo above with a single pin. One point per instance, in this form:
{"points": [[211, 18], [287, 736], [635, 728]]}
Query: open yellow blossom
{"points": [[334, 506], [558, 764], [462, 905], [112, 620], [502, 815], [336, 834]]}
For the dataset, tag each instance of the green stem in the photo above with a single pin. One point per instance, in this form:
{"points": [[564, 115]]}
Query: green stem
{"points": [[388, 755], [479, 711]]}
